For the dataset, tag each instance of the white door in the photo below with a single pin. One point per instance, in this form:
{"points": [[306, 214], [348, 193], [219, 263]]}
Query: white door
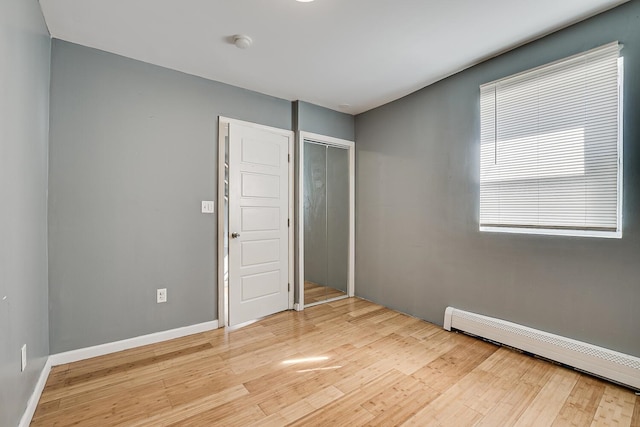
{"points": [[258, 223]]}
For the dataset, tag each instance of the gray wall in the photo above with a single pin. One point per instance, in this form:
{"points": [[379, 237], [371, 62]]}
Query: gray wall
{"points": [[418, 248], [24, 125], [313, 118], [132, 154]]}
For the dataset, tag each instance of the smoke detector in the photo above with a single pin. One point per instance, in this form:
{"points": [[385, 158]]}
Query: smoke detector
{"points": [[242, 41]]}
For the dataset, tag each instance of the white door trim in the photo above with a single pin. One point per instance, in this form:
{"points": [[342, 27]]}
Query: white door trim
{"points": [[335, 142], [223, 130]]}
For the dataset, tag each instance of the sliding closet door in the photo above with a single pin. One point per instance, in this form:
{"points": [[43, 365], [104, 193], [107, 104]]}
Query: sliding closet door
{"points": [[315, 217], [326, 222], [337, 218]]}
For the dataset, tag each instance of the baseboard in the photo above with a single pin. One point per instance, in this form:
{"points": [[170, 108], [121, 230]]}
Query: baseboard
{"points": [[114, 347], [32, 404], [603, 362]]}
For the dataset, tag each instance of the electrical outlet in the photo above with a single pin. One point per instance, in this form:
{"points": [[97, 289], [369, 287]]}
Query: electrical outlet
{"points": [[23, 358], [161, 295]]}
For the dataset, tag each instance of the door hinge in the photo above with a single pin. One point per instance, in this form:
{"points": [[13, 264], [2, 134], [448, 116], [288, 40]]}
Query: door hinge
{"points": [[288, 287], [288, 222], [289, 158]]}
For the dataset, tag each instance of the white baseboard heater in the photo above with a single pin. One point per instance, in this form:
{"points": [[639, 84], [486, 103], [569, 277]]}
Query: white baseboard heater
{"points": [[612, 365]]}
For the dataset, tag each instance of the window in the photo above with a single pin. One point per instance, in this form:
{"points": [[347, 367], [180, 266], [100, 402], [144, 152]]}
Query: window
{"points": [[551, 148]]}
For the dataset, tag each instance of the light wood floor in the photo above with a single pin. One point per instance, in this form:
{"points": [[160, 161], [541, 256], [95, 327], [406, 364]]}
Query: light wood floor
{"points": [[345, 363], [317, 293]]}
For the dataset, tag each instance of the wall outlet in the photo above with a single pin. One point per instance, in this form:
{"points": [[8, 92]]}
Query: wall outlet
{"points": [[161, 295], [23, 352]]}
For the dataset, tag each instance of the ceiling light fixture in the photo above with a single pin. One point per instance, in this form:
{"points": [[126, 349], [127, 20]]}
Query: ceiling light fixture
{"points": [[242, 41], [304, 1]]}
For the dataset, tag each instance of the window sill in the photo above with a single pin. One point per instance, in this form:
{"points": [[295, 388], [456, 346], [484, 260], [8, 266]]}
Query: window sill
{"points": [[555, 232]]}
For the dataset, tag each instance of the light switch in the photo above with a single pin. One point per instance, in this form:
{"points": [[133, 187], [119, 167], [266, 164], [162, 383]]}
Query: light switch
{"points": [[208, 206]]}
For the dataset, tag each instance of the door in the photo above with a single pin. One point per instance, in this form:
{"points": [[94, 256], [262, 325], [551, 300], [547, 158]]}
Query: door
{"points": [[258, 223]]}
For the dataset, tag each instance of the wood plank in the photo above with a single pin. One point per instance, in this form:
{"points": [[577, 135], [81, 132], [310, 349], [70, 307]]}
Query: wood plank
{"points": [[108, 384], [111, 409], [234, 413], [635, 419], [582, 404], [46, 408], [451, 407], [398, 403], [547, 405], [455, 413], [616, 407], [455, 364], [348, 409], [519, 380], [309, 404], [179, 413]]}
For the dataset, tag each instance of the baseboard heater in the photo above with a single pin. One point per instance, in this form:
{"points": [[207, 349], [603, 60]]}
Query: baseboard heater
{"points": [[611, 365]]}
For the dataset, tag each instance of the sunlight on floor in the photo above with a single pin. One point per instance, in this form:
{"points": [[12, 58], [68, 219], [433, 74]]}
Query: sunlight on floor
{"points": [[305, 360]]}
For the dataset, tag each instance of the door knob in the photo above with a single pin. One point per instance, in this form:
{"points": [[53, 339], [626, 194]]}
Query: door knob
{"points": [[235, 235]]}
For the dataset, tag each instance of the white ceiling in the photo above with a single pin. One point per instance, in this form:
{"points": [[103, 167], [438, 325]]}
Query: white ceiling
{"points": [[329, 52]]}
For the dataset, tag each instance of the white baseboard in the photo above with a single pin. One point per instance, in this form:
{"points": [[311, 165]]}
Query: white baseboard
{"points": [[101, 350], [113, 347], [32, 404]]}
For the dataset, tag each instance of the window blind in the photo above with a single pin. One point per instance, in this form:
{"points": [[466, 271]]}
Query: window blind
{"points": [[550, 156]]}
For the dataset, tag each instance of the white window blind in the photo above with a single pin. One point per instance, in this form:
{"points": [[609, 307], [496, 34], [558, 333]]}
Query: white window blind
{"points": [[550, 156]]}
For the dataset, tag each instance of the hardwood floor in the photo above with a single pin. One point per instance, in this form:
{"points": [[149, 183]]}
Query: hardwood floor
{"points": [[346, 363], [317, 293]]}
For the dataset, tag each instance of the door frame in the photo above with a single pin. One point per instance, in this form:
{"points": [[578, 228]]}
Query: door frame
{"points": [[351, 148], [223, 131]]}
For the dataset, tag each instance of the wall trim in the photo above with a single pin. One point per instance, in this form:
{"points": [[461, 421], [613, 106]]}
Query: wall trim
{"points": [[32, 404], [129, 343]]}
